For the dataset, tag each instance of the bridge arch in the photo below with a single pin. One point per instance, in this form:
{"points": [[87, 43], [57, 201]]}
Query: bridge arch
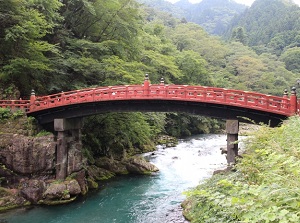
{"points": [[219, 111], [201, 100], [63, 111]]}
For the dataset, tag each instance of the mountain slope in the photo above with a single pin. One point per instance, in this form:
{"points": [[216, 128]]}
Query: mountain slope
{"points": [[267, 18], [213, 15]]}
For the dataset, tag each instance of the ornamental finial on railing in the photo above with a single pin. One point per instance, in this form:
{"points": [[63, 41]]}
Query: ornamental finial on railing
{"points": [[285, 93], [146, 85], [32, 99], [293, 101], [294, 90], [146, 77], [162, 81]]}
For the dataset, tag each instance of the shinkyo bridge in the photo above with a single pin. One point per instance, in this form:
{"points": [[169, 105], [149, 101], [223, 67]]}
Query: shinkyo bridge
{"points": [[64, 111]]}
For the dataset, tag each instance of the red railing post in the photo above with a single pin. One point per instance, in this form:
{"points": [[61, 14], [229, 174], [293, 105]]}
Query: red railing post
{"points": [[293, 101], [146, 85], [162, 90], [285, 96], [32, 100]]}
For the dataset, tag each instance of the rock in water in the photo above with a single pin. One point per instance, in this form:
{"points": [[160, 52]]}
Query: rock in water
{"points": [[139, 165]]}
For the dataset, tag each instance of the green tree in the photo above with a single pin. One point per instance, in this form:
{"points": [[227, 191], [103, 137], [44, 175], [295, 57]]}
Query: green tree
{"points": [[291, 58], [193, 68], [239, 35], [117, 134], [25, 55]]}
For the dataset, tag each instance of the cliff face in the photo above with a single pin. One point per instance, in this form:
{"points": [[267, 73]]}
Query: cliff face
{"points": [[27, 166], [27, 155], [22, 153]]}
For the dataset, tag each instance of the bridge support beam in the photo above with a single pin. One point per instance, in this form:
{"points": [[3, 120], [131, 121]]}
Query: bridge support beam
{"points": [[232, 130], [68, 150]]}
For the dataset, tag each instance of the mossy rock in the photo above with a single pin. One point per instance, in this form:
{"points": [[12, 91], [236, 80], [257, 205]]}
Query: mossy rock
{"points": [[187, 205], [10, 199], [169, 141], [99, 173], [111, 165], [9, 207], [92, 184], [139, 165], [57, 202], [5, 192]]}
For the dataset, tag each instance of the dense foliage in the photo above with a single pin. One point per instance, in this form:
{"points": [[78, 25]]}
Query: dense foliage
{"points": [[118, 134], [213, 15], [265, 186], [267, 18]]}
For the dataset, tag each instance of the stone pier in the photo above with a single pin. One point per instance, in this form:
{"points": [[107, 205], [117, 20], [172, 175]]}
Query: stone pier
{"points": [[69, 156], [232, 130]]}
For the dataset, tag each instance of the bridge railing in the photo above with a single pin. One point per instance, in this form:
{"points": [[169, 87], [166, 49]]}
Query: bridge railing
{"points": [[280, 105], [221, 96], [15, 104]]}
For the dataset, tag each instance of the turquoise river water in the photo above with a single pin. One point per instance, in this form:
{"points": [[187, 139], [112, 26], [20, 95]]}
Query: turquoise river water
{"points": [[139, 199]]}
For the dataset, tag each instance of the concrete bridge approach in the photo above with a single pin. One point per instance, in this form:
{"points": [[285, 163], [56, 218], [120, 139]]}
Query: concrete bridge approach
{"points": [[63, 112]]}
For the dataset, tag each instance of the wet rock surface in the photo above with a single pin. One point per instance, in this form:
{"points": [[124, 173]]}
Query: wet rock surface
{"points": [[27, 155], [32, 190], [175, 216], [111, 165], [139, 165]]}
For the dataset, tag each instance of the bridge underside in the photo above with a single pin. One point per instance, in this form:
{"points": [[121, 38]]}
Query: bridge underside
{"points": [[205, 109]]}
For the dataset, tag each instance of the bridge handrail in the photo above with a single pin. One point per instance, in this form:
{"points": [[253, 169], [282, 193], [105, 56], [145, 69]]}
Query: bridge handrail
{"points": [[246, 99], [15, 104]]}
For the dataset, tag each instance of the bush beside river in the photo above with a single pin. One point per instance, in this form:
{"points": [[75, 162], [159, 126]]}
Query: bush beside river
{"points": [[264, 187]]}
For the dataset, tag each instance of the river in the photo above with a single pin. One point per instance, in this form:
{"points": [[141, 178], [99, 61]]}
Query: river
{"points": [[139, 199]]}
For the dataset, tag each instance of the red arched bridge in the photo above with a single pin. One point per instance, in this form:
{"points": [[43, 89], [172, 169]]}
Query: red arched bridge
{"points": [[208, 101], [66, 109]]}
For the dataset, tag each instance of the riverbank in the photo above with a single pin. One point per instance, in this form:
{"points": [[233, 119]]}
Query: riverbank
{"points": [[139, 198], [264, 186], [27, 166], [20, 190]]}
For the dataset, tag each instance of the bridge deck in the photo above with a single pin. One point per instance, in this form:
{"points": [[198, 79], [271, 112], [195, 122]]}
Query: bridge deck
{"points": [[219, 96]]}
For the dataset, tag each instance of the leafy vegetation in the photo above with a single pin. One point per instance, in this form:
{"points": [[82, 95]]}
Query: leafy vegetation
{"points": [[6, 113], [178, 125], [213, 15], [53, 46], [269, 26], [265, 186], [117, 134]]}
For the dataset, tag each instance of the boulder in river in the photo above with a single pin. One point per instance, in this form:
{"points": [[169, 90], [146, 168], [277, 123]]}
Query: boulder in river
{"points": [[98, 173], [138, 165], [60, 192], [111, 165]]}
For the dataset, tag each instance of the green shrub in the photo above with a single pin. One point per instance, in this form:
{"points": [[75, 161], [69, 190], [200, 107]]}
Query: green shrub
{"points": [[17, 114], [265, 187], [43, 133], [5, 113]]}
